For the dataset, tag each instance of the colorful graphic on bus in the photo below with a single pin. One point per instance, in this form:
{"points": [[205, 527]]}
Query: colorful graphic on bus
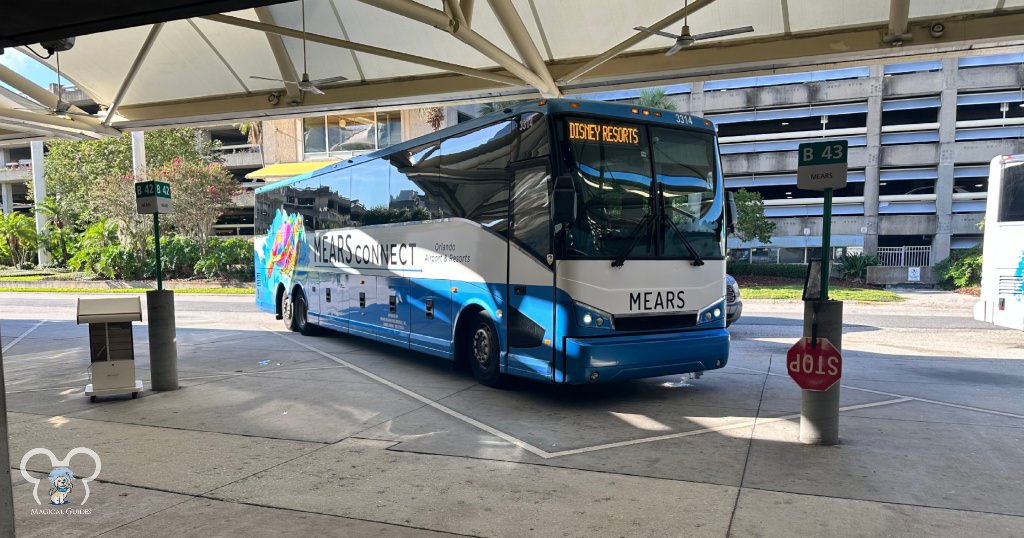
{"points": [[280, 252]]}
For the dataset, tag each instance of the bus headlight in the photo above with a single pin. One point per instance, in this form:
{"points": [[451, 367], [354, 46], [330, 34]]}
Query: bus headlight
{"points": [[713, 312], [588, 316]]}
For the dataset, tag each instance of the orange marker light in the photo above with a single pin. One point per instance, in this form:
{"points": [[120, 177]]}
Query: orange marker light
{"points": [[542, 102], [647, 112], [658, 114], [574, 105], [634, 110]]}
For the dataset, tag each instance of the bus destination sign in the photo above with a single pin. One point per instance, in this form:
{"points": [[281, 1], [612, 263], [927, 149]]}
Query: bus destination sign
{"points": [[608, 134]]}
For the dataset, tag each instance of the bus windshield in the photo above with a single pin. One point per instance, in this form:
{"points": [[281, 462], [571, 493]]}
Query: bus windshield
{"points": [[645, 192]]}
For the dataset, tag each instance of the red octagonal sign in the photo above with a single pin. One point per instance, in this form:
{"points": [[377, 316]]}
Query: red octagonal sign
{"points": [[814, 367]]}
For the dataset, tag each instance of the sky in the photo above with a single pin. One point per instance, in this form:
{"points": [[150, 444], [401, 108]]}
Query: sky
{"points": [[28, 67]]}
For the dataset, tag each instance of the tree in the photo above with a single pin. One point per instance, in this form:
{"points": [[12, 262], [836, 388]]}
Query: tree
{"points": [[751, 223], [253, 130], [72, 167], [18, 234], [655, 98], [200, 192], [497, 106], [113, 197], [61, 217]]}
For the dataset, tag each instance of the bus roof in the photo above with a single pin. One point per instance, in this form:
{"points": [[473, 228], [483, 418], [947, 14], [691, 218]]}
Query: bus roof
{"points": [[624, 112]]}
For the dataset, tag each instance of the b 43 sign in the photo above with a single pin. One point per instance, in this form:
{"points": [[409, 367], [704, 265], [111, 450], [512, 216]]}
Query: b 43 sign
{"points": [[814, 366], [822, 165]]}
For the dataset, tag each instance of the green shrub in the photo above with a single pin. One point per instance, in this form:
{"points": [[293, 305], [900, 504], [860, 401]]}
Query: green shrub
{"points": [[178, 254], [227, 258], [962, 269], [791, 270], [855, 266]]}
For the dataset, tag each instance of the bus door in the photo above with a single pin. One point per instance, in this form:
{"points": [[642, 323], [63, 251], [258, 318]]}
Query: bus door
{"points": [[531, 309]]}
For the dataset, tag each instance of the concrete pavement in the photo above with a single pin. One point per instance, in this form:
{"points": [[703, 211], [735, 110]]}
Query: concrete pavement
{"points": [[276, 433]]}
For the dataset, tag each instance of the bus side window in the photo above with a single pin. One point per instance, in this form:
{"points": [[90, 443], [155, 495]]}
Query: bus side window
{"points": [[1011, 198], [370, 193], [533, 136], [337, 205], [473, 177], [412, 183]]}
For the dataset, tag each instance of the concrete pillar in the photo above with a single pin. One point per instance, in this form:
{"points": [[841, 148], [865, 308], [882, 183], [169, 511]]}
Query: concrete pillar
{"points": [[6, 198], [947, 160], [39, 191], [697, 98], [139, 154], [874, 148]]}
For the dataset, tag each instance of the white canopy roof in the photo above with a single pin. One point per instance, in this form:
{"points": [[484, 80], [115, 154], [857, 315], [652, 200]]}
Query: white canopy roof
{"points": [[403, 52]]}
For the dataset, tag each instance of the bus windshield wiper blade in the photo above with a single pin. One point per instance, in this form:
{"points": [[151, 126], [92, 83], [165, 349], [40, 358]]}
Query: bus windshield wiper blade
{"points": [[697, 260], [621, 258]]}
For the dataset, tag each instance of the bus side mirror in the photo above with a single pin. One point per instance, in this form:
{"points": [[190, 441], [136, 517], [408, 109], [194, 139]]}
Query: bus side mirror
{"points": [[730, 215], [564, 201]]}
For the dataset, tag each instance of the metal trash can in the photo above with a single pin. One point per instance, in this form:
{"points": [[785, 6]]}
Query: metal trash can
{"points": [[111, 345]]}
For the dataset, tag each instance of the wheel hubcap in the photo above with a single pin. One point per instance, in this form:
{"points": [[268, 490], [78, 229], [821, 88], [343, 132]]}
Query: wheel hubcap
{"points": [[287, 309], [482, 346]]}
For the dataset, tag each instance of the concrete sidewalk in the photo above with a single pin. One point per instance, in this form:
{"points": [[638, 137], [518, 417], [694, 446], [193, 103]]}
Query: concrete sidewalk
{"points": [[274, 433]]}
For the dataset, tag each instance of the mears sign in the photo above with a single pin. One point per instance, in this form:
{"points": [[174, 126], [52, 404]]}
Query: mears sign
{"points": [[822, 165]]}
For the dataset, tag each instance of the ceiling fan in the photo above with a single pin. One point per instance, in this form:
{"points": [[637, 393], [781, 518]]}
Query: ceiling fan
{"points": [[305, 84], [686, 39]]}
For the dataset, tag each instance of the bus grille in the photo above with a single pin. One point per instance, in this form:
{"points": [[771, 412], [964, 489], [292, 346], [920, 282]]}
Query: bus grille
{"points": [[1011, 285], [655, 323]]}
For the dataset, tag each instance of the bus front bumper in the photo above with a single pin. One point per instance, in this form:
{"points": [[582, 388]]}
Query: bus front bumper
{"points": [[618, 358]]}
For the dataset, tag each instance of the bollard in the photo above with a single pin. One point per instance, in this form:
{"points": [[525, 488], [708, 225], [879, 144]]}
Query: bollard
{"points": [[819, 411], [163, 347]]}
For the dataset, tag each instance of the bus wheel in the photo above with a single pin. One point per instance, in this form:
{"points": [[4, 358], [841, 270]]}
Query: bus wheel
{"points": [[483, 351], [288, 312], [300, 312]]}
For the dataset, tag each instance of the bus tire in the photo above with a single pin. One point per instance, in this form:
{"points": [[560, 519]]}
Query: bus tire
{"points": [[288, 312], [300, 315], [483, 351]]}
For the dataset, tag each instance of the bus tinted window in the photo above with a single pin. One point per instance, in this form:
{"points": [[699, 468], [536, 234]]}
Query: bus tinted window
{"points": [[338, 206], [533, 136], [1011, 198], [370, 193], [301, 197], [412, 184], [473, 179], [267, 204], [531, 213]]}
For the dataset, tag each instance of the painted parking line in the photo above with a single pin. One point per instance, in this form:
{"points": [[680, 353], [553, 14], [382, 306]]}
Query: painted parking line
{"points": [[21, 336], [541, 452], [913, 398]]}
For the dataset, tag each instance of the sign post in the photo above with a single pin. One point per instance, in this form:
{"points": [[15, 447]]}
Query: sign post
{"points": [[154, 197], [815, 362]]}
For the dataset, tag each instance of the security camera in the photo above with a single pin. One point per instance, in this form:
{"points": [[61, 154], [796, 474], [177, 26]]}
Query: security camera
{"points": [[58, 45], [937, 30]]}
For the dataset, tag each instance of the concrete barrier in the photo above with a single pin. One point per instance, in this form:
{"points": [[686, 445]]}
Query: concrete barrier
{"points": [[898, 275]]}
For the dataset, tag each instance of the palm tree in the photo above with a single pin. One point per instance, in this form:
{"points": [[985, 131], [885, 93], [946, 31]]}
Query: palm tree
{"points": [[61, 215], [655, 98], [253, 130], [18, 233], [497, 106]]}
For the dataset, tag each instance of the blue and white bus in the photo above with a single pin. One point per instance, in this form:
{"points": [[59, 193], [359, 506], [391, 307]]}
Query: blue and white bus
{"points": [[563, 241], [1002, 269]]}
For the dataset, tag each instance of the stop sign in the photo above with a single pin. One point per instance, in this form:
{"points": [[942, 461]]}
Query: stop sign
{"points": [[814, 367]]}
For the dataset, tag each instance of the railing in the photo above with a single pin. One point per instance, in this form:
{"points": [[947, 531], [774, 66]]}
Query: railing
{"points": [[241, 155], [904, 256]]}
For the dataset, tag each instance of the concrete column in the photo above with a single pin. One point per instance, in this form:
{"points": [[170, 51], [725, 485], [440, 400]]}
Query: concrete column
{"points": [[6, 198], [39, 190], [697, 98], [947, 160], [139, 154], [871, 171]]}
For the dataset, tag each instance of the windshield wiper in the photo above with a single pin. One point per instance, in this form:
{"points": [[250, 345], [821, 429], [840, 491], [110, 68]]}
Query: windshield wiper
{"points": [[621, 258], [697, 260]]}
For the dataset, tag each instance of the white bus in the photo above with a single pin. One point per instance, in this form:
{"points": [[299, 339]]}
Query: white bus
{"points": [[1002, 274], [563, 241]]}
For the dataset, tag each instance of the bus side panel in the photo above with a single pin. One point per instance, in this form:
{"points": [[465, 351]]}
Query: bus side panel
{"points": [[333, 300], [430, 332], [361, 298], [393, 321]]}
